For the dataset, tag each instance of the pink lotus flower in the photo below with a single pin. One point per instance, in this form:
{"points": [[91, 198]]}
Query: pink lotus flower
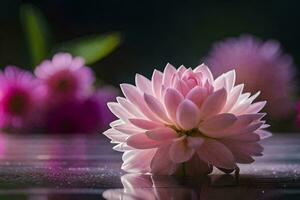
{"points": [[19, 97], [261, 66], [185, 121], [65, 77]]}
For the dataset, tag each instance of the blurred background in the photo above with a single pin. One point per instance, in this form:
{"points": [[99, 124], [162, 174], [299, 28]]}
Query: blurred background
{"points": [[152, 33]]}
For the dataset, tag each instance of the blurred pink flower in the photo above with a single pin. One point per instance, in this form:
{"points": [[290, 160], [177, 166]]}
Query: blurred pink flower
{"points": [[65, 77], [186, 121], [260, 65], [102, 96], [19, 96], [81, 115]]}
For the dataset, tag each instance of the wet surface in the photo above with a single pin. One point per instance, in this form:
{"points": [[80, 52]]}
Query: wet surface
{"points": [[85, 167]]}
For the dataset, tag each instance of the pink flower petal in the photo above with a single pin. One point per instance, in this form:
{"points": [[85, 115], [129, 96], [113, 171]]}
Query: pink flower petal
{"points": [[233, 97], [116, 122], [172, 99], [143, 84], [168, 74], [220, 83], [128, 129], [263, 134], [217, 123], [240, 127], [213, 104], [115, 136], [246, 148], [205, 71], [77, 62], [243, 97], [163, 133], [131, 108], [161, 163], [122, 147], [236, 147], [230, 80], [253, 97], [156, 107], [244, 120], [253, 149], [265, 126], [179, 151], [241, 107], [62, 59], [197, 95], [256, 107], [145, 124], [249, 129], [181, 70], [194, 142], [217, 154], [181, 86], [248, 137], [157, 82], [135, 97], [132, 160], [119, 111], [142, 141], [187, 114]]}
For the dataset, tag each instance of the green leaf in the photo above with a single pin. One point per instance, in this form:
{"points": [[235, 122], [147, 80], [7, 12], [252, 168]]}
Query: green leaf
{"points": [[92, 48], [36, 32]]}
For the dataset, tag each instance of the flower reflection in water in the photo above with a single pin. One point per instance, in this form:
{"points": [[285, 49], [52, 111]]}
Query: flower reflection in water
{"points": [[137, 186]]}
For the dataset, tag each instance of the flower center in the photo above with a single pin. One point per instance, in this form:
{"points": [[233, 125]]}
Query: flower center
{"points": [[63, 85], [195, 132], [63, 82], [16, 102]]}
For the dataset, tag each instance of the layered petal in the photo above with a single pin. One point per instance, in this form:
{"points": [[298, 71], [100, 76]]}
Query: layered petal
{"points": [[197, 95], [161, 163], [213, 104], [180, 151], [132, 160], [156, 107], [162, 133], [217, 154], [142, 141], [172, 99], [187, 114], [217, 123], [143, 84], [157, 83]]}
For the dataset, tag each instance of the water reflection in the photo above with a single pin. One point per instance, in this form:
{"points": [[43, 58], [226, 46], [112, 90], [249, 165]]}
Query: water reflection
{"points": [[149, 187], [166, 188], [3, 144], [36, 167]]}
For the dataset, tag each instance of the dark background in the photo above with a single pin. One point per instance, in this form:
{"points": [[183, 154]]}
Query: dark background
{"points": [[154, 32]]}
